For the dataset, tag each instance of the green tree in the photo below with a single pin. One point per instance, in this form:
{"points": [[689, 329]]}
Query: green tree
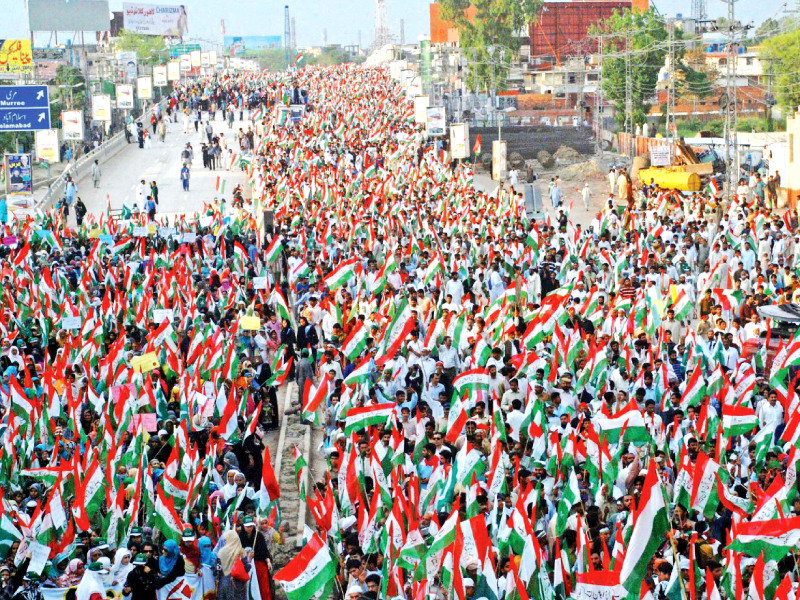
{"points": [[642, 37], [70, 92], [150, 49], [767, 29], [783, 52], [496, 26]]}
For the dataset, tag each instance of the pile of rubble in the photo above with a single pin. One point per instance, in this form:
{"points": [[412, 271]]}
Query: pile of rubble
{"points": [[583, 170], [567, 156]]}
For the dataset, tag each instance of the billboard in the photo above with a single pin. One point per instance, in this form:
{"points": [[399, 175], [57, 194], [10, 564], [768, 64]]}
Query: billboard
{"points": [[124, 95], [421, 104], [194, 55], [156, 19], [499, 166], [16, 56], [435, 123], [47, 145], [204, 60], [186, 62], [72, 124], [19, 181], [160, 75], [238, 45], [101, 107], [76, 15], [459, 140], [173, 71], [562, 28], [144, 87]]}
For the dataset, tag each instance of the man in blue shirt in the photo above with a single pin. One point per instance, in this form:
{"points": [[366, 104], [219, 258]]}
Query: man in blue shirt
{"points": [[185, 178], [150, 208], [556, 196]]}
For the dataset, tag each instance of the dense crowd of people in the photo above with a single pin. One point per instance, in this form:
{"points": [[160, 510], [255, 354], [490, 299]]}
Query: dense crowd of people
{"points": [[510, 406]]}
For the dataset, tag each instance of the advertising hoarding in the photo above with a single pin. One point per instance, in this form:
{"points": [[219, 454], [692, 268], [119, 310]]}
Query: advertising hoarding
{"points": [[238, 45], [499, 165], [156, 19], [459, 140], [435, 122], [47, 145], [16, 56], [76, 15], [421, 104], [19, 180], [173, 71], [144, 87], [160, 75], [72, 124], [101, 107], [124, 95]]}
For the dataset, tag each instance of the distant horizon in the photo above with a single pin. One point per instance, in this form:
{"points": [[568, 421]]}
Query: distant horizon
{"points": [[342, 18]]}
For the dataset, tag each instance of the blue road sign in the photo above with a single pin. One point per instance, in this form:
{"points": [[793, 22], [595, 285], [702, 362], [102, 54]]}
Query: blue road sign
{"points": [[24, 107]]}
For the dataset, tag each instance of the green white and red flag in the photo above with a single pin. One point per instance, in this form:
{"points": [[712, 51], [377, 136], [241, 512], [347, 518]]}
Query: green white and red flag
{"points": [[628, 418], [341, 274], [695, 390], [313, 397], [472, 381], [363, 417], [773, 538], [312, 571], [274, 249], [166, 517], [356, 341], [738, 420], [300, 473], [360, 374], [270, 490], [650, 527], [704, 488], [682, 306], [281, 307]]}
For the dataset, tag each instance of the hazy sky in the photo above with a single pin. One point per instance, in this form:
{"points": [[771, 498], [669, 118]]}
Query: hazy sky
{"points": [[341, 18]]}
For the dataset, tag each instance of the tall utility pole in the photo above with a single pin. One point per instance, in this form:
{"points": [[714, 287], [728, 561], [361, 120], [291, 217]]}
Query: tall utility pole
{"points": [[671, 128], [402, 32], [699, 10], [731, 108], [325, 36], [769, 99], [598, 102], [287, 34], [381, 33], [294, 36], [628, 86]]}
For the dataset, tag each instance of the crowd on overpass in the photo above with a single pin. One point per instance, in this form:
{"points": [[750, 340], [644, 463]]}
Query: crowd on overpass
{"points": [[512, 404]]}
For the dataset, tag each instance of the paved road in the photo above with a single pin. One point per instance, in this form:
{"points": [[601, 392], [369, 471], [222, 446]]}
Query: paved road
{"points": [[578, 215], [161, 163]]}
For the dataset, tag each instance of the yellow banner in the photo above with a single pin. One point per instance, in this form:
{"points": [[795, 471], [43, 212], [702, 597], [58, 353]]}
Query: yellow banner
{"points": [[16, 56], [145, 363], [250, 323]]}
